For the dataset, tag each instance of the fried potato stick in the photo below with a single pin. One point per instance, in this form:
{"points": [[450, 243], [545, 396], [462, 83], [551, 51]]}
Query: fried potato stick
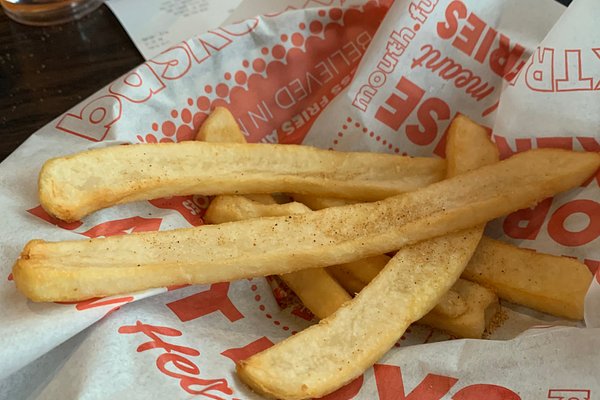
{"points": [[317, 290], [77, 270], [221, 127], [342, 346], [543, 282], [74, 186], [463, 311], [547, 283], [354, 276]]}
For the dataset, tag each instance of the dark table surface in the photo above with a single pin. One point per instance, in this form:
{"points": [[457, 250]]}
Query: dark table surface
{"points": [[46, 71]]}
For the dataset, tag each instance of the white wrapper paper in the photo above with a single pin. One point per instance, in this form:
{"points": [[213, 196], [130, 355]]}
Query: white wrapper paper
{"points": [[374, 77]]}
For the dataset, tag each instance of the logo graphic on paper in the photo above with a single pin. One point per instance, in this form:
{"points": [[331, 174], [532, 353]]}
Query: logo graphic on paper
{"points": [[95, 119], [569, 394], [277, 95]]}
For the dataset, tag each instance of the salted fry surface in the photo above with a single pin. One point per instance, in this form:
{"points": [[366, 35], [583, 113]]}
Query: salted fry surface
{"points": [[74, 186], [339, 349], [76, 270], [543, 282]]}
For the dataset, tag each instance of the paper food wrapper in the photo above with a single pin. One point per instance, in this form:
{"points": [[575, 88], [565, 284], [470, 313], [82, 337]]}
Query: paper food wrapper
{"points": [[377, 77]]}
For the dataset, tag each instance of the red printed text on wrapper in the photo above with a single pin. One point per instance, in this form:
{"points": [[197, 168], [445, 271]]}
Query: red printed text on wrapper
{"points": [[177, 361], [390, 386], [563, 70], [277, 94], [95, 119]]}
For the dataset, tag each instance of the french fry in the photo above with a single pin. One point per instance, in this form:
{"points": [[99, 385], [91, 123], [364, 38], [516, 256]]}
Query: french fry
{"points": [[77, 270], [324, 357], [551, 284], [323, 295], [72, 187], [317, 290], [356, 275], [234, 208], [546, 283], [319, 203], [221, 127], [481, 305]]}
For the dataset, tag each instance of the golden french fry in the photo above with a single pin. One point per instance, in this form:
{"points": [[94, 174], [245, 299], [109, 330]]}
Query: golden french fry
{"points": [[551, 284], [465, 311], [412, 283], [481, 305], [319, 292], [220, 127], [77, 270], [237, 208], [72, 187], [319, 203], [354, 276]]}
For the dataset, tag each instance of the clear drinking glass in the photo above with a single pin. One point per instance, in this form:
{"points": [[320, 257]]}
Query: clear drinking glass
{"points": [[48, 12]]}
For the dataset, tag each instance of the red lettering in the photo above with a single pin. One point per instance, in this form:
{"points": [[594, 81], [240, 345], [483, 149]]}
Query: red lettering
{"points": [[241, 353], [555, 142], [101, 302], [539, 75], [455, 11], [189, 379], [400, 106], [41, 213], [172, 63], [346, 392], [526, 223], [206, 302], [139, 85], [573, 81], [187, 382], [505, 149], [569, 394], [469, 35], [487, 392], [94, 120], [153, 333], [390, 385], [589, 143], [202, 47], [503, 59], [425, 133], [179, 362], [241, 28], [124, 226], [485, 45], [592, 265], [566, 237], [192, 208]]}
